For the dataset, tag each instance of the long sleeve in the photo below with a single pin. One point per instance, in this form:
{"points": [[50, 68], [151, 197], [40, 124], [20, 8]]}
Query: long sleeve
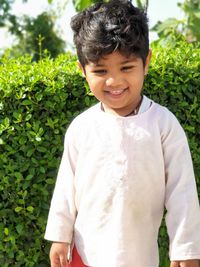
{"points": [[183, 212], [62, 212]]}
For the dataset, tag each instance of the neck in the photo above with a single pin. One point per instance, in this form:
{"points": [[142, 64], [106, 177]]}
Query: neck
{"points": [[121, 113], [135, 110]]}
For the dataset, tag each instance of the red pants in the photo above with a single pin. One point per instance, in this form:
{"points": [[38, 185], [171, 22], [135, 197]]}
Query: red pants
{"points": [[76, 259]]}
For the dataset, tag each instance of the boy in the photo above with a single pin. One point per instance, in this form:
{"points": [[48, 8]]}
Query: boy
{"points": [[124, 159]]}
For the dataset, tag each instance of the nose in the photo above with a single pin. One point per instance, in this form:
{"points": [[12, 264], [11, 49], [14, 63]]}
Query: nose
{"points": [[114, 81]]}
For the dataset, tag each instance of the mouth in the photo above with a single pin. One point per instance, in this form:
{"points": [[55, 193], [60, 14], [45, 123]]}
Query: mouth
{"points": [[116, 93]]}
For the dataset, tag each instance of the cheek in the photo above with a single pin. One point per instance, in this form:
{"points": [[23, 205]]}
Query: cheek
{"points": [[95, 84], [91, 85], [138, 79]]}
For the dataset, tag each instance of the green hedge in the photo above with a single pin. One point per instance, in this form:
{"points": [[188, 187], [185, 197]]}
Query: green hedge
{"points": [[174, 81], [37, 102]]}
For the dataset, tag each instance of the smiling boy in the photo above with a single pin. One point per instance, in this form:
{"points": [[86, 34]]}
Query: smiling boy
{"points": [[117, 81], [119, 168]]}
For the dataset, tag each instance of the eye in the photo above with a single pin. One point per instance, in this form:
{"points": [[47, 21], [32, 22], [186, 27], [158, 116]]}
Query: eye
{"points": [[127, 68], [100, 71]]}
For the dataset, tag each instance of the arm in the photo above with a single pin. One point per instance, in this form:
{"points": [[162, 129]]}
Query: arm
{"points": [[62, 213], [181, 200]]}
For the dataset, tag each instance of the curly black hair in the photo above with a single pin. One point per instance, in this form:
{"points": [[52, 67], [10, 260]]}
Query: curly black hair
{"points": [[106, 27]]}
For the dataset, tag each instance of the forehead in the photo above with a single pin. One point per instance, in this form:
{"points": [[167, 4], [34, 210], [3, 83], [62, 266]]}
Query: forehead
{"points": [[115, 57]]}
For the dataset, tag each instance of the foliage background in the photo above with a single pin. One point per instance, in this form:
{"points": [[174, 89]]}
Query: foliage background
{"points": [[37, 102]]}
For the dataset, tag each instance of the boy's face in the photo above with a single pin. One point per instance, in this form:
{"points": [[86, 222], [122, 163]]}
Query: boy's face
{"points": [[117, 81]]}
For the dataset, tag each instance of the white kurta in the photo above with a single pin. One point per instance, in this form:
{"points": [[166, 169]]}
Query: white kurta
{"points": [[115, 177]]}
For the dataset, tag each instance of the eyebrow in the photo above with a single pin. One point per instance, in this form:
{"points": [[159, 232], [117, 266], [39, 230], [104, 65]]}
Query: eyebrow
{"points": [[121, 63], [129, 60]]}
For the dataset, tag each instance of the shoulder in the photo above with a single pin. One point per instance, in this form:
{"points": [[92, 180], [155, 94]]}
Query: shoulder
{"points": [[163, 114], [168, 123], [83, 121], [87, 116]]}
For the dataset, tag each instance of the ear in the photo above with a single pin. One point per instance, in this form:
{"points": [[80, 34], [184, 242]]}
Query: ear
{"points": [[148, 59], [81, 68]]}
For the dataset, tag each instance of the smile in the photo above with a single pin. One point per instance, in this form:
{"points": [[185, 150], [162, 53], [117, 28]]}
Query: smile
{"points": [[116, 92]]}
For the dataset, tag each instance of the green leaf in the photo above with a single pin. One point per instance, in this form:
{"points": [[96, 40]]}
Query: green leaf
{"points": [[41, 149], [17, 115], [42, 169], [39, 96], [19, 228], [87, 101], [50, 181], [30, 208], [6, 231], [28, 117], [29, 177], [18, 175], [22, 140], [82, 4], [38, 138], [6, 122], [26, 102], [18, 209], [1, 106], [1, 141], [30, 152]]}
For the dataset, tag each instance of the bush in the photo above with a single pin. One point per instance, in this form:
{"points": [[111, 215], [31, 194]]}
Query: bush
{"points": [[37, 102], [173, 81]]}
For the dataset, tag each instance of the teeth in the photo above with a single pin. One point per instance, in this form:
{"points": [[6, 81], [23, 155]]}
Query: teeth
{"points": [[116, 92]]}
